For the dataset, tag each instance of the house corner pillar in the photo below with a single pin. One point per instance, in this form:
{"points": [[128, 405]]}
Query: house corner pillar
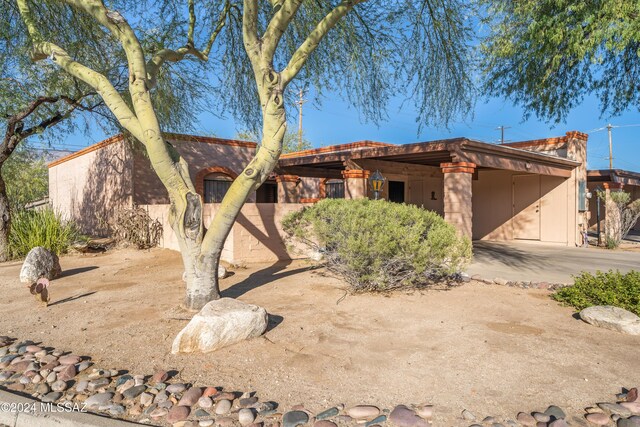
{"points": [[288, 188], [458, 208], [356, 183]]}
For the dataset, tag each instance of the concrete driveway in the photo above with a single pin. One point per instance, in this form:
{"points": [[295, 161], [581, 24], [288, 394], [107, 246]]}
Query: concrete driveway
{"points": [[532, 261]]}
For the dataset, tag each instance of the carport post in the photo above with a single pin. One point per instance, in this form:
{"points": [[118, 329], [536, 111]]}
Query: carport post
{"points": [[288, 188], [457, 196]]}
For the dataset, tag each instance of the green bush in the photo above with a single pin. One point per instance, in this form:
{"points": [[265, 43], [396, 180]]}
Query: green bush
{"points": [[380, 246], [610, 288], [30, 228]]}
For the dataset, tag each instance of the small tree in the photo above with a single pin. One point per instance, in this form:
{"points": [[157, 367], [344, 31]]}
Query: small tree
{"points": [[290, 142], [625, 215]]}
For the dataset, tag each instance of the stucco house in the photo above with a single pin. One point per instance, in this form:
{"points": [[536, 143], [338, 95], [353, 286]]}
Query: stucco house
{"points": [[529, 190]]}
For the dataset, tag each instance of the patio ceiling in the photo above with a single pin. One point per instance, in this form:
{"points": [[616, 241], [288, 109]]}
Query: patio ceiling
{"points": [[328, 163]]}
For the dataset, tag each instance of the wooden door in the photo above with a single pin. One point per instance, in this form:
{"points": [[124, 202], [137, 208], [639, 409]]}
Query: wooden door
{"points": [[526, 207]]}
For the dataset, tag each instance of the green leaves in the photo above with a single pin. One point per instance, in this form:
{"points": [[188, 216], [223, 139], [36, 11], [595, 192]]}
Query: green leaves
{"points": [[610, 288], [547, 55]]}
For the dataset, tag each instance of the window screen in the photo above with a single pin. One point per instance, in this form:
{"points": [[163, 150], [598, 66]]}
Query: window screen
{"points": [[334, 189]]}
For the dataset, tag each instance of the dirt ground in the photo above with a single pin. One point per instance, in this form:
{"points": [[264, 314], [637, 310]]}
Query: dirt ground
{"points": [[490, 349]]}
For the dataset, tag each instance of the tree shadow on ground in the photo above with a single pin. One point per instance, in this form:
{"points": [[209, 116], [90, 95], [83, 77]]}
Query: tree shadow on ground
{"points": [[507, 255], [262, 277], [68, 299], [72, 271]]}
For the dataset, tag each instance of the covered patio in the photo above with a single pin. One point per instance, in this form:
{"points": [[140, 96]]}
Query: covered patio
{"points": [[530, 190]]}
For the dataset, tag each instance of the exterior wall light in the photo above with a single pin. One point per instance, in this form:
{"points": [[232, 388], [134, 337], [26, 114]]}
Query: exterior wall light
{"points": [[377, 182]]}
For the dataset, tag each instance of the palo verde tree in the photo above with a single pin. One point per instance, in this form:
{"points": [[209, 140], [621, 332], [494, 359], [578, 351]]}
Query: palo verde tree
{"points": [[547, 55], [43, 101], [368, 51]]}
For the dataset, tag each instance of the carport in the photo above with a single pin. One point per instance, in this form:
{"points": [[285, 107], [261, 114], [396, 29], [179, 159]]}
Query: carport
{"points": [[530, 190]]}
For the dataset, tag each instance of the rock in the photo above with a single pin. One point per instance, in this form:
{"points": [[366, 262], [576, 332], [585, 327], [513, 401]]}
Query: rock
{"points": [[225, 422], [52, 377], [122, 387], [328, 413], [324, 423], [295, 418], [425, 411], [205, 402], [500, 281], [614, 408], [245, 416], [541, 417], [191, 396], [133, 392], [614, 318], [43, 389], [67, 373], [405, 417], [69, 360], [117, 410], [363, 411], [51, 397], [222, 407], [376, 421], [98, 399], [225, 395], [467, 415], [59, 386], [205, 423], [84, 365], [559, 423], [160, 412], [598, 419], [209, 391], [96, 384], [39, 263], [162, 396], [159, 377], [146, 399], [634, 407], [555, 412], [628, 422], [526, 419], [176, 388], [222, 272], [247, 402], [632, 395], [221, 323], [178, 413]]}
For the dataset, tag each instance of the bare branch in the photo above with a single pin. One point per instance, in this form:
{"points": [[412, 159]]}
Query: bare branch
{"points": [[299, 58], [192, 23], [278, 25]]}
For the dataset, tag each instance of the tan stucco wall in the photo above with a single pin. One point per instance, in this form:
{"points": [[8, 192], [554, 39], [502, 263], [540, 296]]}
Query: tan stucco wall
{"points": [[493, 207], [90, 187], [199, 155], [256, 237]]}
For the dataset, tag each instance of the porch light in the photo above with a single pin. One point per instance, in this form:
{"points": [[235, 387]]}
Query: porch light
{"points": [[377, 182]]}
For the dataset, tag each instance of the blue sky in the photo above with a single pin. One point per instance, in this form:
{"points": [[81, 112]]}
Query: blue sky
{"points": [[334, 122]]}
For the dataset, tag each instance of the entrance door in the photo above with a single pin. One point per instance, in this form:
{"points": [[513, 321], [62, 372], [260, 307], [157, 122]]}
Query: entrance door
{"points": [[396, 191], [415, 192], [526, 207]]}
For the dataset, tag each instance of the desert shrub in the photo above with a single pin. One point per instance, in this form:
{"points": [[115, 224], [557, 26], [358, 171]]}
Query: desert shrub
{"points": [[626, 214], [30, 228], [134, 226], [380, 246], [610, 288]]}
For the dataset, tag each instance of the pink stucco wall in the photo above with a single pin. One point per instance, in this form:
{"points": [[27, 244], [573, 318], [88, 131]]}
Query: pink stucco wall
{"points": [[92, 184]]}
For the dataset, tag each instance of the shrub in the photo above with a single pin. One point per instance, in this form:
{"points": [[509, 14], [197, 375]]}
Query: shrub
{"points": [[380, 246], [610, 288], [134, 226], [30, 228]]}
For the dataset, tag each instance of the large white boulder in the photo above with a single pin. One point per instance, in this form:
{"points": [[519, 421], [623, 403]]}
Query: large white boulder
{"points": [[221, 323], [614, 318], [40, 262]]}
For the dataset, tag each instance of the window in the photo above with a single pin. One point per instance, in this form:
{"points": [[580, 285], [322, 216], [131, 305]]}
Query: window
{"points": [[216, 186], [334, 189], [267, 193]]}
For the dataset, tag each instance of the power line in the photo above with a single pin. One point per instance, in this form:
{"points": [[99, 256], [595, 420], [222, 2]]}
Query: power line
{"points": [[501, 129]]}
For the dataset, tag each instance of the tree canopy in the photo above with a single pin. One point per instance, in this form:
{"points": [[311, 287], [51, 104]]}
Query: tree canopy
{"points": [[547, 55]]}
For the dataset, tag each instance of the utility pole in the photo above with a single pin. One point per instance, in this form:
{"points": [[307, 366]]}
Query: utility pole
{"points": [[609, 127], [501, 129], [301, 101]]}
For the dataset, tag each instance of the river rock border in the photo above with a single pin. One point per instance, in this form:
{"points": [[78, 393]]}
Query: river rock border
{"points": [[57, 377], [550, 286]]}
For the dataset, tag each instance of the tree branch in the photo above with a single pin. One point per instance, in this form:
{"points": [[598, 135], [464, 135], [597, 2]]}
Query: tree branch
{"points": [[250, 31], [299, 58], [277, 26], [111, 97]]}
